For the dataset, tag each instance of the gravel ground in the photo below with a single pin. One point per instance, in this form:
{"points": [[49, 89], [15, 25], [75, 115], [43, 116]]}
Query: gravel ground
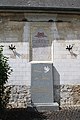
{"points": [[70, 113]]}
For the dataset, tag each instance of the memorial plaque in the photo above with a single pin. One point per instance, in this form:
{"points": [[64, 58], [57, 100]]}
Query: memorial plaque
{"points": [[42, 83], [40, 38], [41, 42]]}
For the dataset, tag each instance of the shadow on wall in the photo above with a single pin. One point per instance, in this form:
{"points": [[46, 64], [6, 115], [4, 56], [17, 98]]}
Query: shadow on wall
{"points": [[56, 85], [12, 32]]}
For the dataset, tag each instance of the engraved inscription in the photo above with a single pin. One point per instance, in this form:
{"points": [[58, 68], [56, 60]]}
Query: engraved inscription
{"points": [[40, 90], [40, 39]]}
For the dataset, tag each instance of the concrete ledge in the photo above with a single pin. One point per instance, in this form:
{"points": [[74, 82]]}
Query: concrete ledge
{"points": [[46, 106]]}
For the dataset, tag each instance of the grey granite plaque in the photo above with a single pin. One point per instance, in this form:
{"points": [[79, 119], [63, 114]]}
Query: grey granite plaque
{"points": [[42, 83]]}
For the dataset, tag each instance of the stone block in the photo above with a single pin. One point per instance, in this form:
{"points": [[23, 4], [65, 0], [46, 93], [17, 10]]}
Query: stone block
{"points": [[42, 83], [46, 106]]}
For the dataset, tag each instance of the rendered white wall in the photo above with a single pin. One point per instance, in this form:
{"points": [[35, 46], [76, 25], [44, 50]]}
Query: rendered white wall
{"points": [[63, 34]]}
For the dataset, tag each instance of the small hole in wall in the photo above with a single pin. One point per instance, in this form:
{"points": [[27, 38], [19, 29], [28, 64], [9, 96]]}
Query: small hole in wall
{"points": [[24, 19], [50, 20]]}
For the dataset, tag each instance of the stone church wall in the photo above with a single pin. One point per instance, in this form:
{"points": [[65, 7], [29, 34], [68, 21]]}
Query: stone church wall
{"points": [[63, 31]]}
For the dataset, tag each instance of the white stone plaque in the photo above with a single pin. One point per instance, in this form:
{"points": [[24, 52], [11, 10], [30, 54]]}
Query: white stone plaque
{"points": [[41, 42]]}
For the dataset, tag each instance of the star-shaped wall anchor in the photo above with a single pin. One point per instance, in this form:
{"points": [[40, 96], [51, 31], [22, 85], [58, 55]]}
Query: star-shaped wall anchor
{"points": [[12, 47], [69, 47]]}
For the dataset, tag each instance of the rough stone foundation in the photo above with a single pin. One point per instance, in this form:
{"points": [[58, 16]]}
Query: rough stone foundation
{"points": [[20, 96], [67, 95]]}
